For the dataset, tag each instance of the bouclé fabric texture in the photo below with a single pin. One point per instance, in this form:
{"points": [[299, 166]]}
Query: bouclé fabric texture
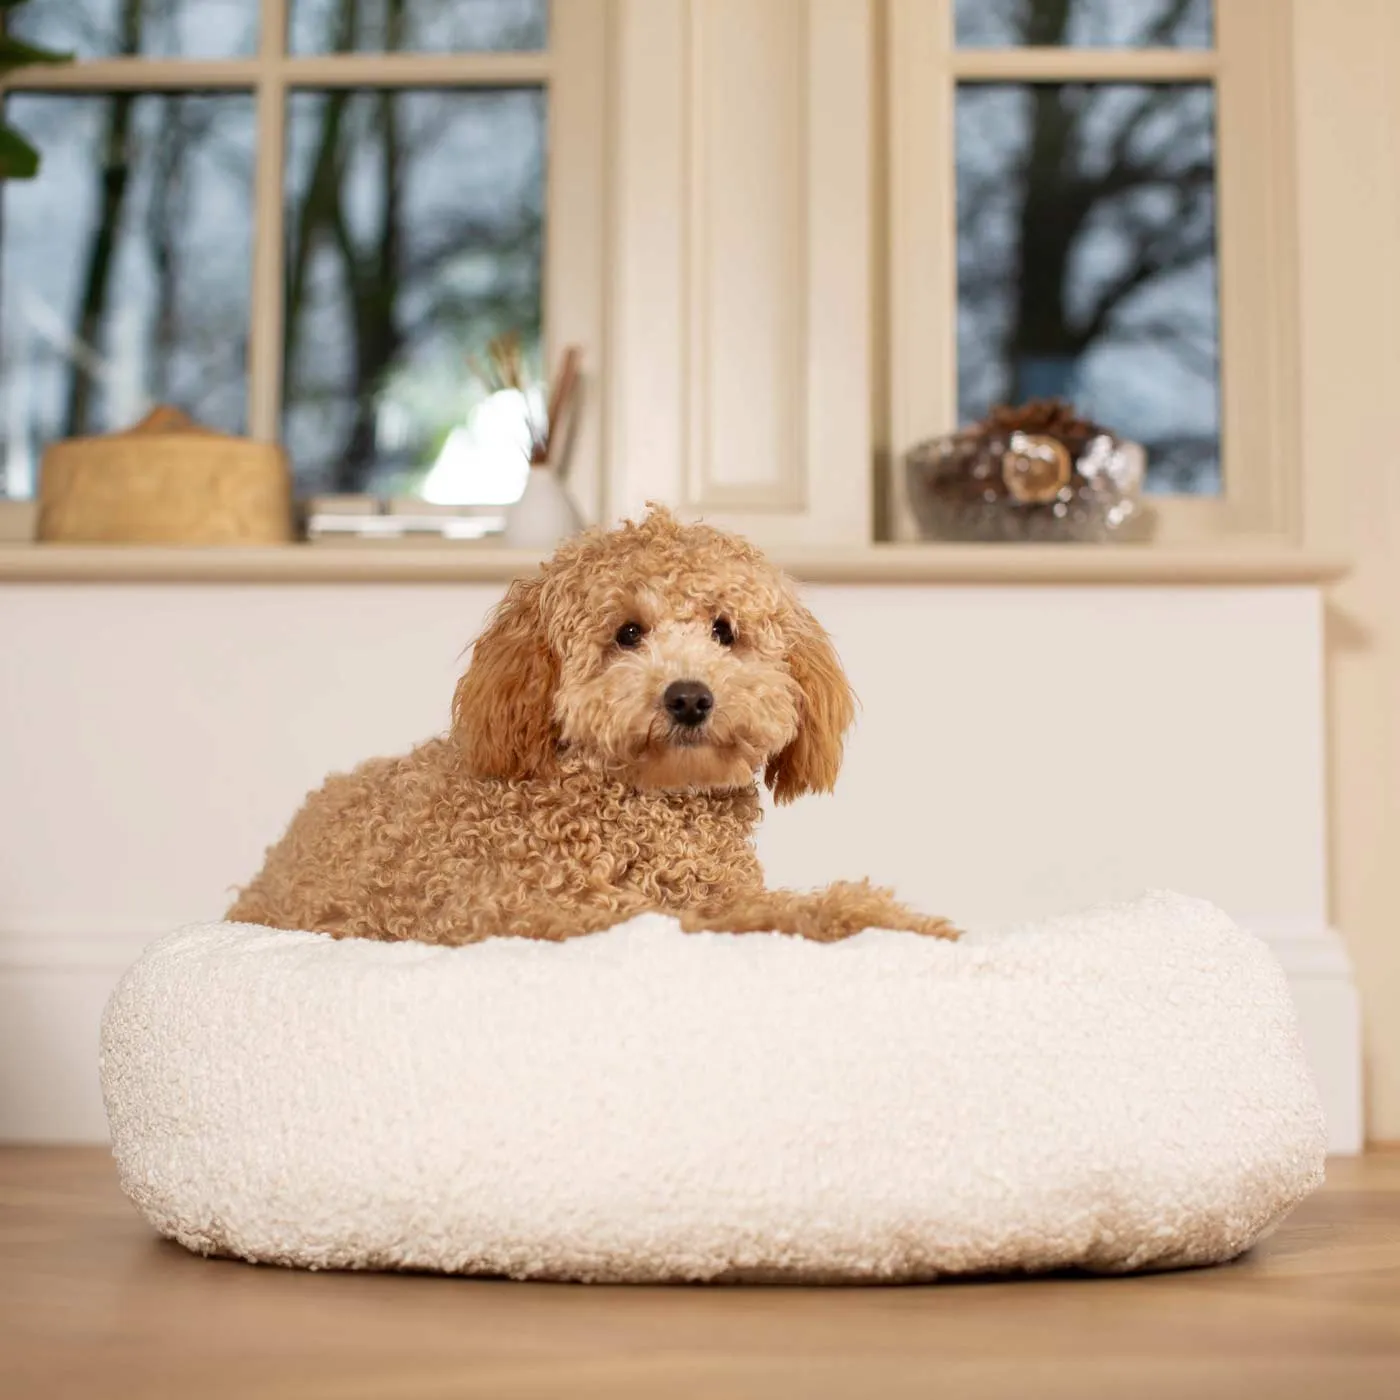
{"points": [[1116, 1090]]}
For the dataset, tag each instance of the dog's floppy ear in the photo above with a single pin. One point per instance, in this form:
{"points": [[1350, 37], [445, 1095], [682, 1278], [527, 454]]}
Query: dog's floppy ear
{"points": [[503, 711], [810, 763]]}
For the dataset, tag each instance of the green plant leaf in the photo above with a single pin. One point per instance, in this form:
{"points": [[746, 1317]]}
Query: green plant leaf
{"points": [[18, 159], [15, 53]]}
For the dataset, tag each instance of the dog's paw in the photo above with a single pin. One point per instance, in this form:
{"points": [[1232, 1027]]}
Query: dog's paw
{"points": [[825, 916], [930, 925], [850, 908]]}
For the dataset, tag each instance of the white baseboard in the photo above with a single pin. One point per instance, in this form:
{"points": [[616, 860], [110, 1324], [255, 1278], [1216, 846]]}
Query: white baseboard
{"points": [[54, 983], [1320, 974]]}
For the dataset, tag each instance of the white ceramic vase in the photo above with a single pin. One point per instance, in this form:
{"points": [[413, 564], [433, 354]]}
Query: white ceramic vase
{"points": [[543, 516]]}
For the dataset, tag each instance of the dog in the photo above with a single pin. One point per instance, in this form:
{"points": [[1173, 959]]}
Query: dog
{"points": [[603, 760]]}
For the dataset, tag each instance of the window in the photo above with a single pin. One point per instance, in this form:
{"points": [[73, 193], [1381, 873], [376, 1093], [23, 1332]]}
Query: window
{"points": [[1090, 199], [300, 219]]}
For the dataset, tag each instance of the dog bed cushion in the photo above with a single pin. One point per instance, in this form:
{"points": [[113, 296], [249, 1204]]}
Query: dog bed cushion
{"points": [[1121, 1089]]}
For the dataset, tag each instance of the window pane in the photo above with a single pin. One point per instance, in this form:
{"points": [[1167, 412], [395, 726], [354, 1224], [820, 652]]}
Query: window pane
{"points": [[422, 26], [414, 233], [124, 267], [1142, 24], [1086, 261], [159, 28]]}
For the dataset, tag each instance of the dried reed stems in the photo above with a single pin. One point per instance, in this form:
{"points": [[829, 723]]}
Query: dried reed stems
{"points": [[505, 369]]}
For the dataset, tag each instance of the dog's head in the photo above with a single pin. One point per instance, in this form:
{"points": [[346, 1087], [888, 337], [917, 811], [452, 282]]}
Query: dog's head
{"points": [[667, 655]]}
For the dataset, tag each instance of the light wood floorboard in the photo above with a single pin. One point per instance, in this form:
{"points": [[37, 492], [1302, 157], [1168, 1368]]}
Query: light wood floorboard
{"points": [[92, 1305]]}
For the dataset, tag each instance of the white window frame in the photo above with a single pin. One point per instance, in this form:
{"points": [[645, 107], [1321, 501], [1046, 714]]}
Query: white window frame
{"points": [[1251, 68], [573, 72]]}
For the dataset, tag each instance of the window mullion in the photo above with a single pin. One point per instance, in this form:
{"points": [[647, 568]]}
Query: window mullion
{"points": [[1070, 65], [265, 335], [923, 245], [138, 75], [418, 69]]}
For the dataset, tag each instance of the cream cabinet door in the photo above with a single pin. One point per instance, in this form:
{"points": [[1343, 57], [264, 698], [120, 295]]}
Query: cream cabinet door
{"points": [[739, 364]]}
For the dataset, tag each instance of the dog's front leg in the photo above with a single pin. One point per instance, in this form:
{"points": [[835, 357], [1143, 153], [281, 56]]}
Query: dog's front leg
{"points": [[824, 915], [516, 914]]}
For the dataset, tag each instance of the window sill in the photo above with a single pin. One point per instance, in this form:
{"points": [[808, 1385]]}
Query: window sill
{"points": [[1237, 564]]}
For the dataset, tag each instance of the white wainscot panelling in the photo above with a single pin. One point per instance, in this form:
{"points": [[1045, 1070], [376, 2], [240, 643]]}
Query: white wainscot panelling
{"points": [[1020, 751], [1023, 751]]}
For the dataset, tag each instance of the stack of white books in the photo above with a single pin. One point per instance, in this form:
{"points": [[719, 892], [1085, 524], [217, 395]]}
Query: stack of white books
{"points": [[355, 519]]}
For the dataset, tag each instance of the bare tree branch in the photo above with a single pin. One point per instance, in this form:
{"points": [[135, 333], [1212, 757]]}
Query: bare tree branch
{"points": [[1196, 355], [114, 174], [1150, 264], [1163, 31], [322, 190]]}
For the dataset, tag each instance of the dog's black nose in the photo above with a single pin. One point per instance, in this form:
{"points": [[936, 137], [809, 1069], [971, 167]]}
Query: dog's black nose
{"points": [[688, 702]]}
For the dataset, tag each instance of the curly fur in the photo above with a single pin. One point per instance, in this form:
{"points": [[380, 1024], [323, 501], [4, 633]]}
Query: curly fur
{"points": [[564, 799]]}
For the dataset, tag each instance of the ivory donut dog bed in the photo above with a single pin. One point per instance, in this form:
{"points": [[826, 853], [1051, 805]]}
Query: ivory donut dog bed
{"points": [[1122, 1089]]}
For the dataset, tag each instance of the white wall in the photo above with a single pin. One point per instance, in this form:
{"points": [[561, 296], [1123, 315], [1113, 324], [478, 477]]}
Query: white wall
{"points": [[1021, 750], [1346, 56]]}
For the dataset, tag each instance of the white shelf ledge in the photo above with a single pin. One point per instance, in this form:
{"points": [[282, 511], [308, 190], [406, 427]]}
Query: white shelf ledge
{"points": [[384, 562], [472, 563]]}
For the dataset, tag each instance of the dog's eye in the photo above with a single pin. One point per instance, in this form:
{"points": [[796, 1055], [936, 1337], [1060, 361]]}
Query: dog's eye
{"points": [[629, 634], [723, 631]]}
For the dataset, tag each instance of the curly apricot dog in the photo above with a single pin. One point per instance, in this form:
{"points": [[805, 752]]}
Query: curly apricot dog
{"points": [[602, 761]]}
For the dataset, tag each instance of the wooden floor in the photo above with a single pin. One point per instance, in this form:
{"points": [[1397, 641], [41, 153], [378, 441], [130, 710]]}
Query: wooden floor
{"points": [[92, 1305]]}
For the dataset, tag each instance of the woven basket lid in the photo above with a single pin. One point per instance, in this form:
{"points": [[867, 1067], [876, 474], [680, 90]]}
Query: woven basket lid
{"points": [[164, 420], [166, 479]]}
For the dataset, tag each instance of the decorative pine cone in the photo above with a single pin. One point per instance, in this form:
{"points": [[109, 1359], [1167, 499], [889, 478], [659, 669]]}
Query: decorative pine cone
{"points": [[1042, 417]]}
